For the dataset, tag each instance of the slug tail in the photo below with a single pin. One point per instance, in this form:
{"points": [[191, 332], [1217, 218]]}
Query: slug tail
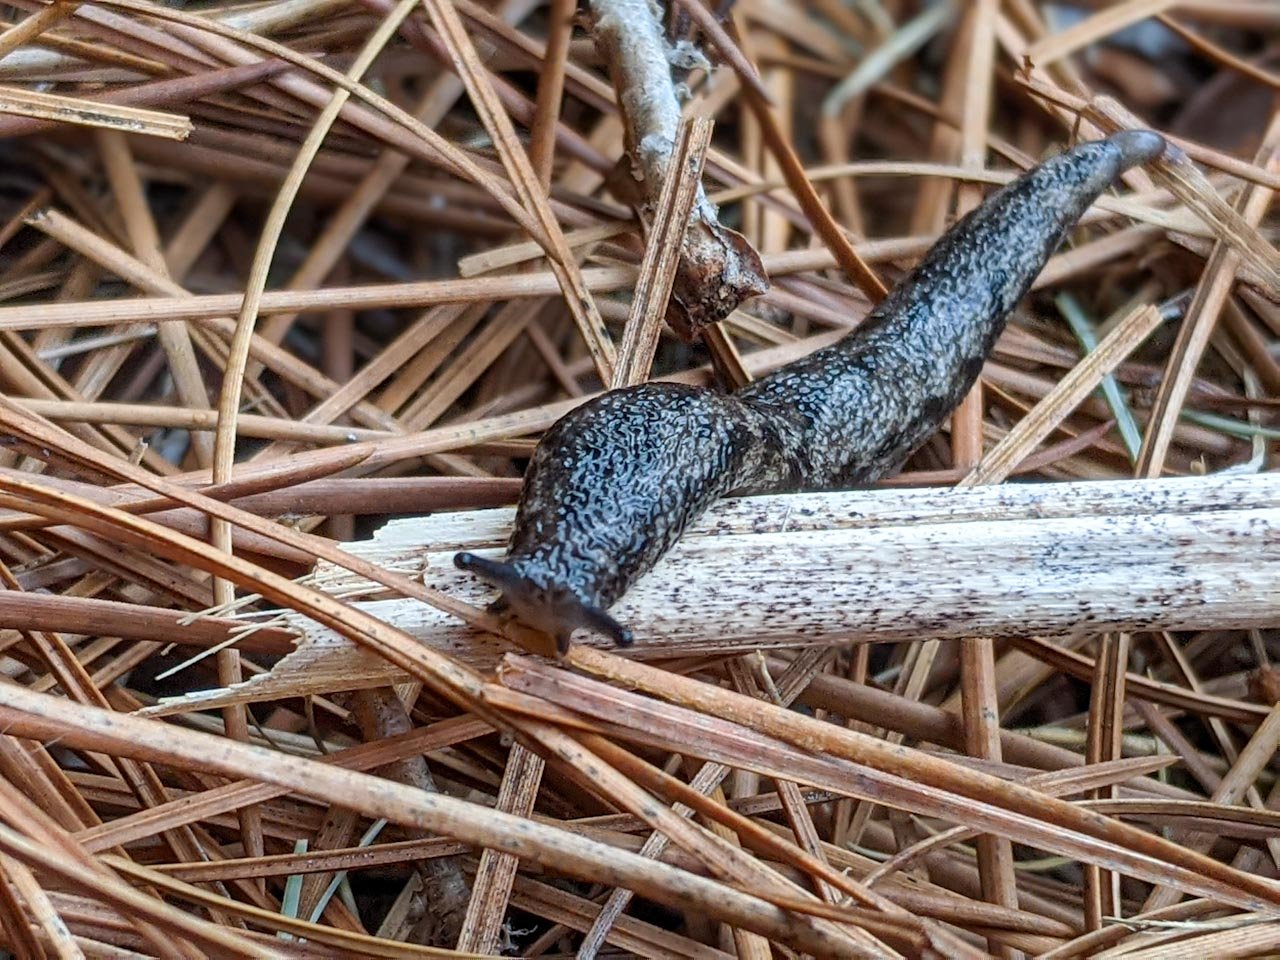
{"points": [[1138, 146], [862, 405]]}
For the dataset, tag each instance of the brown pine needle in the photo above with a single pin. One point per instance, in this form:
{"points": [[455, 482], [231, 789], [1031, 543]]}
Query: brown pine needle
{"points": [[50, 106], [662, 254]]}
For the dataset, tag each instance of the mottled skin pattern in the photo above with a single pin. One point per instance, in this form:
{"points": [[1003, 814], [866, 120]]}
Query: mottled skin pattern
{"points": [[615, 482]]}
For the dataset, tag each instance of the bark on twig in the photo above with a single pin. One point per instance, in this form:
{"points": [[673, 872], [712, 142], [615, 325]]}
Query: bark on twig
{"points": [[719, 269], [380, 714]]}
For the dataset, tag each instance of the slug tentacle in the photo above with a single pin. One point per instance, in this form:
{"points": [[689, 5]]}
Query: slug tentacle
{"points": [[614, 483], [549, 606]]}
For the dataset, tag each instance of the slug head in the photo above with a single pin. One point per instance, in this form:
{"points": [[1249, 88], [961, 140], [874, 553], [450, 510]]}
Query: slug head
{"points": [[553, 608]]}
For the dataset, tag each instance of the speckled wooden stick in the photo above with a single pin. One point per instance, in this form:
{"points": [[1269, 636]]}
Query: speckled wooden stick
{"points": [[874, 565]]}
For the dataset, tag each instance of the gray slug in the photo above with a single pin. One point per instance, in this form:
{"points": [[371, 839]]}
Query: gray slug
{"points": [[614, 483]]}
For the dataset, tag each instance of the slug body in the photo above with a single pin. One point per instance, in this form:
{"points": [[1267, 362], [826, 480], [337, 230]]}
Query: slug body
{"points": [[614, 483]]}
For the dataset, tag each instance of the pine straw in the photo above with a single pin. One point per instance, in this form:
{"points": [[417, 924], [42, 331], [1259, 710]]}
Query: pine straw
{"points": [[274, 273]]}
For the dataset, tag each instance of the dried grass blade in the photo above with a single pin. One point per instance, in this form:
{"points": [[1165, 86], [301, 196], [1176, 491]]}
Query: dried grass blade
{"points": [[546, 114], [725, 859], [672, 728], [205, 307], [1094, 28], [760, 685], [496, 874], [1115, 116], [358, 944], [1252, 760], [140, 907], [1202, 315], [28, 29], [1220, 53], [88, 615], [224, 445], [762, 841], [1105, 730], [19, 424], [1056, 783], [17, 878], [444, 674], [78, 238], [175, 338], [231, 796], [708, 778], [45, 717], [1240, 935], [793, 173], [1082, 667], [1234, 229], [1202, 814], [632, 935], [389, 122]]}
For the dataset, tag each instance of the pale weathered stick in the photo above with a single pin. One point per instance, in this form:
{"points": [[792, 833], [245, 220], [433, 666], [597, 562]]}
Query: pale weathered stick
{"points": [[877, 565]]}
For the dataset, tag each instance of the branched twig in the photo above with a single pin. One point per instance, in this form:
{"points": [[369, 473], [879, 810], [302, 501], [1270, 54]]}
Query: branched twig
{"points": [[719, 269]]}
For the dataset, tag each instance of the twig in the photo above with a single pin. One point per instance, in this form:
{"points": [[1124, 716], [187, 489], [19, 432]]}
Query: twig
{"points": [[719, 269]]}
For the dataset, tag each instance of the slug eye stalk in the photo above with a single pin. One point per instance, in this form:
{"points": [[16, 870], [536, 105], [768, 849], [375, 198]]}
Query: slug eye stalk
{"points": [[555, 610]]}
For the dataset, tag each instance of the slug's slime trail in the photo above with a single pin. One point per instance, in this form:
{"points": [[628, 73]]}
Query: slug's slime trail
{"points": [[615, 482]]}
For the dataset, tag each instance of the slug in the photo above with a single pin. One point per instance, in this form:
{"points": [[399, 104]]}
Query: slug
{"points": [[614, 483]]}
